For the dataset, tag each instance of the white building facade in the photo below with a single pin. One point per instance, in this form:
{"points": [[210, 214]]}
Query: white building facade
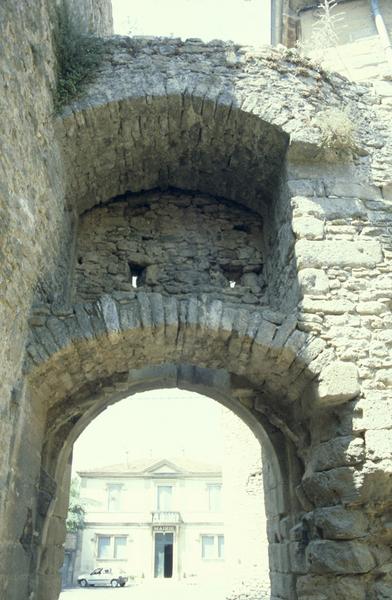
{"points": [[154, 519]]}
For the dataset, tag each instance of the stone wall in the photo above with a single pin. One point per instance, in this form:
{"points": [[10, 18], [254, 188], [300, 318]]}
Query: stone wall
{"points": [[31, 206], [94, 16], [31, 225], [346, 297], [173, 243]]}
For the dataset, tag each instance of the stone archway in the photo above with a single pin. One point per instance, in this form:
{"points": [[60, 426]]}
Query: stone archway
{"points": [[155, 341], [312, 366], [222, 139]]}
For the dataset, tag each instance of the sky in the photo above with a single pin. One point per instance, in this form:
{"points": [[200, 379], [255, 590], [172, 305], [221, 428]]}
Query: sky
{"points": [[158, 423], [242, 21]]}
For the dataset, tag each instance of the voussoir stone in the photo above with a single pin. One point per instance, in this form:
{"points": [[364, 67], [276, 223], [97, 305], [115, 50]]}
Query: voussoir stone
{"points": [[338, 383]]}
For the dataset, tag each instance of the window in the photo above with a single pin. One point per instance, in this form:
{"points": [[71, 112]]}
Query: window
{"points": [[212, 547], [221, 546], [104, 543], [137, 275], [112, 547], [120, 547], [164, 497], [114, 497], [214, 497]]}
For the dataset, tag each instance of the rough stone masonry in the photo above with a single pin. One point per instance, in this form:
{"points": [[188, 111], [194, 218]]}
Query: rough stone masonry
{"points": [[185, 168]]}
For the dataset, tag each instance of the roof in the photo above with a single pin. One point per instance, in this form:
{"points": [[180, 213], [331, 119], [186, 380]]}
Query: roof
{"points": [[155, 466]]}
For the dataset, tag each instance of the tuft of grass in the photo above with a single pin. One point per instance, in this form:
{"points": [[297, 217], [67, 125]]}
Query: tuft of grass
{"points": [[78, 57], [324, 34], [337, 131]]}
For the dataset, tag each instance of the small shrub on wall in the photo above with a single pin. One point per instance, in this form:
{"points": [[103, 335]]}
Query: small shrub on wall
{"points": [[337, 131], [78, 57]]}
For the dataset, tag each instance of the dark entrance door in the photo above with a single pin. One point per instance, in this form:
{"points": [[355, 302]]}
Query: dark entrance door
{"points": [[168, 566], [163, 563]]}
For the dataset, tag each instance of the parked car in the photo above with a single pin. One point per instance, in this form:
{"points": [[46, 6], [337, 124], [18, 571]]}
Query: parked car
{"points": [[103, 576]]}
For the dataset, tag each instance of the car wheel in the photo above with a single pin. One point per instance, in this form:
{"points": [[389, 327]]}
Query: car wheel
{"points": [[122, 584], [83, 583], [114, 583]]}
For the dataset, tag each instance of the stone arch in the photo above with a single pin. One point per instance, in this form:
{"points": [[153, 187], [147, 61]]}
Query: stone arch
{"points": [[211, 144], [187, 142], [216, 118], [256, 364]]}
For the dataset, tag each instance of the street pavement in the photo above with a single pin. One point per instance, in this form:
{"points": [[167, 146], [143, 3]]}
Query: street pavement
{"points": [[164, 590]]}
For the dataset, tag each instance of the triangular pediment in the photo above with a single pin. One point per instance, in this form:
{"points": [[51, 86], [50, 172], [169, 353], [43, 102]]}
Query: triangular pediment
{"points": [[163, 467]]}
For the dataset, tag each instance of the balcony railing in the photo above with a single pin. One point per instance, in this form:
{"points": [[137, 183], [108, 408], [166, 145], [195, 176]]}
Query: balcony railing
{"points": [[166, 517]]}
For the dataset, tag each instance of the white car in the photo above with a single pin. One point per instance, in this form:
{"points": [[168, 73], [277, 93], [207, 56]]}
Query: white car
{"points": [[103, 576]]}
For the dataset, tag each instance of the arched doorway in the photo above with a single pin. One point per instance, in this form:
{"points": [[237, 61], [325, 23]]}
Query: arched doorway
{"points": [[171, 461]]}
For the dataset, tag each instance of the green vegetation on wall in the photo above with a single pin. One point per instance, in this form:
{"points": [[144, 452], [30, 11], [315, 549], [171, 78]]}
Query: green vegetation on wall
{"points": [[78, 56], [75, 516]]}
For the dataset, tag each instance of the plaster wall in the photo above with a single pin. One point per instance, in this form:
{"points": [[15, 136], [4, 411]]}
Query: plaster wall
{"points": [[247, 573], [358, 52], [139, 493]]}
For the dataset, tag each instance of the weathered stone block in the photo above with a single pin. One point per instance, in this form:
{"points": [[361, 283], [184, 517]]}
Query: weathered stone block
{"points": [[145, 309], [157, 310], [109, 313], [343, 558], [319, 587], [335, 486], [374, 411], [379, 444], [338, 523], [337, 253], [309, 228], [338, 452], [327, 307], [352, 189], [297, 557], [329, 208], [384, 376], [129, 316], [370, 308], [279, 555], [313, 282], [338, 383], [282, 585]]}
